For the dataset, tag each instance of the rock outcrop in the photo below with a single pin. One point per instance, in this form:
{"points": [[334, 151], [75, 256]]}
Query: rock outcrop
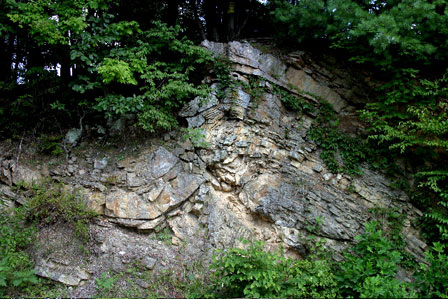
{"points": [[260, 177]]}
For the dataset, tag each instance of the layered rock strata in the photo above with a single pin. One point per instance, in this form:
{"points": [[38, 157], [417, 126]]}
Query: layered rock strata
{"points": [[259, 177]]}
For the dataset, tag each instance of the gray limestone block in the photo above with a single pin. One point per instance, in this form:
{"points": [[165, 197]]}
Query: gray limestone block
{"points": [[149, 262], [66, 274], [195, 121], [243, 53], [191, 108], [161, 161]]}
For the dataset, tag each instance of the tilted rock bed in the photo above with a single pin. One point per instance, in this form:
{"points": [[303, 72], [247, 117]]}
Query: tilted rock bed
{"points": [[251, 182]]}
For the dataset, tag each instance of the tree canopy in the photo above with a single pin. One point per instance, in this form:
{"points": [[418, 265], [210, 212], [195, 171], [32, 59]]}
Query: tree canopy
{"points": [[387, 33]]}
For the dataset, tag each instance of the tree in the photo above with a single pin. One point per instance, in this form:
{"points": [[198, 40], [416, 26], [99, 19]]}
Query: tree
{"points": [[386, 33], [92, 56]]}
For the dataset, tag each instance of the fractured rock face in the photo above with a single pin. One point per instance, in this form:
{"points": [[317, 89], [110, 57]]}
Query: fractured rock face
{"points": [[260, 178], [268, 181], [123, 204], [161, 197], [304, 82], [161, 162], [237, 104]]}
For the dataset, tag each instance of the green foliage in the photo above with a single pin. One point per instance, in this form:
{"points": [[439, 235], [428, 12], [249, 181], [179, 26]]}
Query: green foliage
{"points": [[392, 222], [309, 278], [380, 32], [50, 144], [413, 119], [183, 280], [16, 266], [107, 65], [302, 20], [255, 90], [116, 70], [49, 203], [45, 288], [160, 63], [105, 282], [384, 287], [340, 152], [50, 21], [293, 102], [223, 67], [165, 235], [196, 136], [432, 280], [370, 267], [255, 273], [437, 214], [410, 114]]}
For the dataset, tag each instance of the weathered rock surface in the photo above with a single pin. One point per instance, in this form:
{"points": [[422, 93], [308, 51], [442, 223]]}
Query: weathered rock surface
{"points": [[260, 178], [71, 276]]}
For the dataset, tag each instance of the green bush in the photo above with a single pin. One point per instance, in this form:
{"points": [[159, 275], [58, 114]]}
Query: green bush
{"points": [[152, 77], [432, 280], [383, 287], [370, 267], [412, 118], [16, 267], [255, 273]]}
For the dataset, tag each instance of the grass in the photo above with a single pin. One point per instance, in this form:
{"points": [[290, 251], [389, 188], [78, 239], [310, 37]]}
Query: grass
{"points": [[182, 281], [165, 235]]}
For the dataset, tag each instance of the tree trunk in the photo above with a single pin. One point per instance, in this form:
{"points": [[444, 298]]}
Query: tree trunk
{"points": [[194, 8], [211, 19], [6, 58], [231, 21], [172, 12]]}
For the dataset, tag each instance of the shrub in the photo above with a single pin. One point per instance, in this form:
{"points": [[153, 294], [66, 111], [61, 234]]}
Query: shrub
{"points": [[370, 267], [432, 280], [16, 267], [411, 117], [255, 273], [152, 77], [383, 287]]}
